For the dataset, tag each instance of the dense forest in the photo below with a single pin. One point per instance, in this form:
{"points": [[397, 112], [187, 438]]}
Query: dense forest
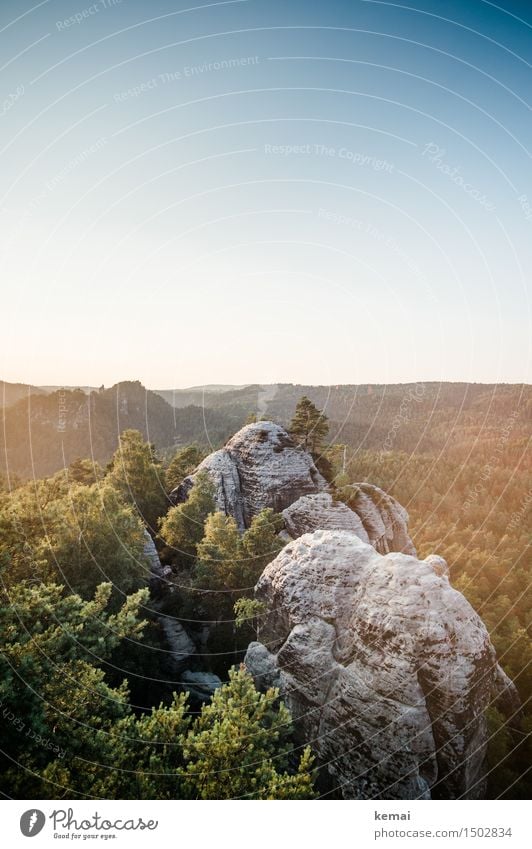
{"points": [[89, 704], [45, 430], [88, 693]]}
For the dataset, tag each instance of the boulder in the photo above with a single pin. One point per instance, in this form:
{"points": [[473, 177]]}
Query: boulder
{"points": [[379, 519], [386, 668], [181, 647], [320, 512], [259, 467], [384, 519], [200, 686]]}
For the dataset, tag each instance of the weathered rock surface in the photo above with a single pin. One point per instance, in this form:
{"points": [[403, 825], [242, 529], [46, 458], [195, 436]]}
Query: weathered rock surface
{"points": [[320, 512], [386, 668], [259, 467], [377, 518], [384, 519], [181, 647], [201, 686], [158, 572]]}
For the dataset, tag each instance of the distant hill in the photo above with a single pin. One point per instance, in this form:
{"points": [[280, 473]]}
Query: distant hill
{"points": [[10, 393], [414, 417], [49, 389], [453, 419], [44, 432], [212, 396]]}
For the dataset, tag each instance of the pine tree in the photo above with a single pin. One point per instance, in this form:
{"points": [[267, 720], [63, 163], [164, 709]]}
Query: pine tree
{"points": [[182, 464], [183, 526], [239, 747], [229, 564], [308, 427], [137, 474]]}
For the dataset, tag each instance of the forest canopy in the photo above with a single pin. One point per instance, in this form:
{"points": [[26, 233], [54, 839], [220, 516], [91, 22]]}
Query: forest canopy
{"points": [[86, 673]]}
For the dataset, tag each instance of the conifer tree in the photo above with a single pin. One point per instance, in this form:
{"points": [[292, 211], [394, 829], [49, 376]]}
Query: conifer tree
{"points": [[308, 427]]}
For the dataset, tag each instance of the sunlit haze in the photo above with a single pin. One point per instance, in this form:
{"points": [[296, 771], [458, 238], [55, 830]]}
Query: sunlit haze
{"points": [[261, 192]]}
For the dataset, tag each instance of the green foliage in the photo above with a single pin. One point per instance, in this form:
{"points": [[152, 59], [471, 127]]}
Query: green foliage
{"points": [[84, 471], [52, 693], [229, 564], [182, 527], [95, 537], [182, 464], [66, 732], [137, 474], [239, 747], [79, 535], [219, 563], [248, 611], [308, 427], [261, 543]]}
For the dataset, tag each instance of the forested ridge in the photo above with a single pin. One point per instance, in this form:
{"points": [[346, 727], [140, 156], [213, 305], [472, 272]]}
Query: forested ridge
{"points": [[85, 675], [45, 430]]}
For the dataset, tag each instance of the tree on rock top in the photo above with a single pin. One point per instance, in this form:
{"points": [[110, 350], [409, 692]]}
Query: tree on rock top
{"points": [[136, 473], [309, 426]]}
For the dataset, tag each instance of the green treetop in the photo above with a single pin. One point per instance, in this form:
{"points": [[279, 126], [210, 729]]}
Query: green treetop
{"points": [[308, 427]]}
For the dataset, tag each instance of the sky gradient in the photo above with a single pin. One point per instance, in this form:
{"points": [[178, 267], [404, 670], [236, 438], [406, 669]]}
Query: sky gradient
{"points": [[263, 192]]}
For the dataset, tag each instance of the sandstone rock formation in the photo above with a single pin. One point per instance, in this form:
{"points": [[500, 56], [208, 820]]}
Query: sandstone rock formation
{"points": [[377, 518], [386, 668], [157, 572], [320, 512], [259, 467], [384, 519], [180, 646]]}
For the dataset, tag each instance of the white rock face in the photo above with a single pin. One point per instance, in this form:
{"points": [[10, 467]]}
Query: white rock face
{"points": [[384, 519], [386, 668], [377, 518], [319, 512], [158, 572], [258, 468]]}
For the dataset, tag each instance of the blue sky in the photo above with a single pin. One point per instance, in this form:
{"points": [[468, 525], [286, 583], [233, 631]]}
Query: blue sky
{"points": [[265, 192]]}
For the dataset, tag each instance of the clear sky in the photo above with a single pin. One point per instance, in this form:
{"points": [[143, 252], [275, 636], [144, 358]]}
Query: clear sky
{"points": [[260, 191]]}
